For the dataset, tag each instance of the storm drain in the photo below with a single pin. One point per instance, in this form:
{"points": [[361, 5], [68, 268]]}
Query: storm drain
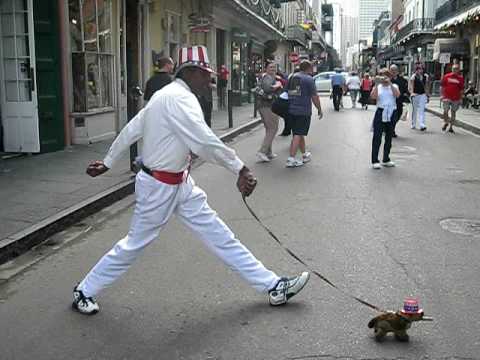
{"points": [[468, 227]]}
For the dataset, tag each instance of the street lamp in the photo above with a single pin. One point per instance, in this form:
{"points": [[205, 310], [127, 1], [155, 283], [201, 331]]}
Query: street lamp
{"points": [[419, 50]]}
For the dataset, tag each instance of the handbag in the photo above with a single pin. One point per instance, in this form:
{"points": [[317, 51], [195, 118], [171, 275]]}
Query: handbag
{"points": [[280, 107]]}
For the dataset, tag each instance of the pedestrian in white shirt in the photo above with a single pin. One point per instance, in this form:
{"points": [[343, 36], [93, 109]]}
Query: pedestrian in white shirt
{"points": [[386, 94], [353, 85], [171, 126]]}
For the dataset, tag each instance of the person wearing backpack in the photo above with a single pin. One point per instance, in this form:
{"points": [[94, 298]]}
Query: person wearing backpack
{"points": [[365, 89]]}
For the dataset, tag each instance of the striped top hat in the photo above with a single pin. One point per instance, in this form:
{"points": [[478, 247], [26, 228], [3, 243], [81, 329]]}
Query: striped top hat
{"points": [[410, 307], [195, 56]]}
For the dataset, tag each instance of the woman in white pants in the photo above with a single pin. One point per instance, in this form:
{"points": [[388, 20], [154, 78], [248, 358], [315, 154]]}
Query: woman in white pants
{"points": [[418, 88]]}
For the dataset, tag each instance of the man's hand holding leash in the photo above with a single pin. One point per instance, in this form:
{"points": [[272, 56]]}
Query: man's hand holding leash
{"points": [[97, 168], [246, 182]]}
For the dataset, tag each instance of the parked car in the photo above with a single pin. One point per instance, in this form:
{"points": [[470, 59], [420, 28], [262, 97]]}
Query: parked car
{"points": [[323, 81]]}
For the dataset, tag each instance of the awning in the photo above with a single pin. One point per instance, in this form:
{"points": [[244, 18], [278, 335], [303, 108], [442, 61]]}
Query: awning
{"points": [[458, 19], [260, 19], [450, 45]]}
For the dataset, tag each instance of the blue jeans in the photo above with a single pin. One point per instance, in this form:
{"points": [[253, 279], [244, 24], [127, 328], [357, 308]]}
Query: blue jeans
{"points": [[379, 127]]}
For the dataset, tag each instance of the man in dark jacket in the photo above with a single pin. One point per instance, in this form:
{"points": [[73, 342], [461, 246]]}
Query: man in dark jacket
{"points": [[161, 77], [402, 84]]}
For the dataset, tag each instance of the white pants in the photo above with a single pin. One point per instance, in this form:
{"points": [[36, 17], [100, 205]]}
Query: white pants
{"points": [[418, 107], [155, 203]]}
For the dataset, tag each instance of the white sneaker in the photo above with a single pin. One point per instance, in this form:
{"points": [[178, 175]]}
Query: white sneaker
{"points": [[83, 304], [307, 156], [272, 156], [388, 164], [286, 288], [293, 162], [262, 157], [376, 166]]}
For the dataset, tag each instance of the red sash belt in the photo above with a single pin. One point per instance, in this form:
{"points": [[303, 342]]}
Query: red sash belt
{"points": [[165, 176]]}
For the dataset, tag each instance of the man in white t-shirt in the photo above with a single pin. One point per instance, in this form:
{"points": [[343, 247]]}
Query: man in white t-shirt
{"points": [[353, 85]]}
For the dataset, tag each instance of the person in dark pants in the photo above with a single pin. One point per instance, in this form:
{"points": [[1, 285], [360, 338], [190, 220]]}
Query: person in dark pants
{"points": [[338, 88], [206, 102], [386, 95], [162, 77], [402, 84]]}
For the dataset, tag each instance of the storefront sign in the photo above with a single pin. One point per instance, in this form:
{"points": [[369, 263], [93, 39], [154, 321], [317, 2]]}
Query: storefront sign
{"points": [[444, 58], [199, 23], [239, 35]]}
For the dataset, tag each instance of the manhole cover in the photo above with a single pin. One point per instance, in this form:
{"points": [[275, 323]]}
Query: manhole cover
{"points": [[462, 226], [470, 181]]}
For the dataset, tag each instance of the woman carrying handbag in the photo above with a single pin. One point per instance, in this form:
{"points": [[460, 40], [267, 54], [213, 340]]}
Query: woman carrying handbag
{"points": [[269, 87]]}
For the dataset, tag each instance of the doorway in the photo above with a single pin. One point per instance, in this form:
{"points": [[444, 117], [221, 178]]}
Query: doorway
{"points": [[18, 91]]}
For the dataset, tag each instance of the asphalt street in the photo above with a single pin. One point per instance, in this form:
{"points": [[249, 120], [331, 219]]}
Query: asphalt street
{"points": [[381, 234]]}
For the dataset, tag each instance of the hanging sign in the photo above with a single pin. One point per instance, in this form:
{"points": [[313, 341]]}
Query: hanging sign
{"points": [[294, 57], [444, 58]]}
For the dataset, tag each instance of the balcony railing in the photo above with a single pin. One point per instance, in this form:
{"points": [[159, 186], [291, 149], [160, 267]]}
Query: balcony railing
{"points": [[298, 34], [424, 25], [453, 8]]}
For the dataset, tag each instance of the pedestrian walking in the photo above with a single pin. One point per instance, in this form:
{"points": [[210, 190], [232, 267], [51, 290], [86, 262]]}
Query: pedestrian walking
{"points": [[419, 89], [161, 77], [301, 94], [365, 90], [402, 84], [206, 102], [222, 85], [171, 126], [353, 86], [452, 85], [469, 96], [386, 94], [270, 87], [287, 130], [338, 88]]}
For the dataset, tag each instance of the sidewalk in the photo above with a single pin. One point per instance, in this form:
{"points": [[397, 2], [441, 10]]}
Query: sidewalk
{"points": [[42, 194], [469, 119]]}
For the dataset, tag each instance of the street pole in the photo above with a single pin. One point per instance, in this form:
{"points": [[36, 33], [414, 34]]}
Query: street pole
{"points": [[230, 112]]}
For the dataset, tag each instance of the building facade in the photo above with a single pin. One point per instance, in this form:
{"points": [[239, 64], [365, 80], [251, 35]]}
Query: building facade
{"points": [[369, 11], [461, 20], [70, 70]]}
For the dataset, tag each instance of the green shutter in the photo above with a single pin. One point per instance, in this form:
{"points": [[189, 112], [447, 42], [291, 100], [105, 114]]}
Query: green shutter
{"points": [[49, 94]]}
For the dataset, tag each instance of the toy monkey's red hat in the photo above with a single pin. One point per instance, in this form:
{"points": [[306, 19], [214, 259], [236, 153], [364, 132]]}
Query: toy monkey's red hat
{"points": [[410, 307]]}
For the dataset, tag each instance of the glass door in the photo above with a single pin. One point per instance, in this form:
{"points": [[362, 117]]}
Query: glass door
{"points": [[17, 76]]}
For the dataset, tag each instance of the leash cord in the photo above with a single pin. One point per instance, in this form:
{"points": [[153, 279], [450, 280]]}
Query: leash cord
{"points": [[296, 257]]}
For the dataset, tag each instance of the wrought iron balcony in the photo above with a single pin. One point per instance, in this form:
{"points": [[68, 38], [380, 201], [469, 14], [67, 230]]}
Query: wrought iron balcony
{"points": [[298, 34], [415, 26], [453, 8]]}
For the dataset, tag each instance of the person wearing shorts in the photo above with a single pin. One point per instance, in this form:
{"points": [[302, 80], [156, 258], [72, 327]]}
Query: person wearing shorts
{"points": [[452, 93], [301, 94]]}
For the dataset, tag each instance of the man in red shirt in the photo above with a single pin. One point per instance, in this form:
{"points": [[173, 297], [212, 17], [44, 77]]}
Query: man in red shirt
{"points": [[452, 93]]}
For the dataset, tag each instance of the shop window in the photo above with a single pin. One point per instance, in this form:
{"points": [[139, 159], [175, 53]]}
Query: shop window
{"points": [[173, 34], [92, 54]]}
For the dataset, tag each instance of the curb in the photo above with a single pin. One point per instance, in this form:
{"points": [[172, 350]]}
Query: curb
{"points": [[458, 123], [22, 241]]}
